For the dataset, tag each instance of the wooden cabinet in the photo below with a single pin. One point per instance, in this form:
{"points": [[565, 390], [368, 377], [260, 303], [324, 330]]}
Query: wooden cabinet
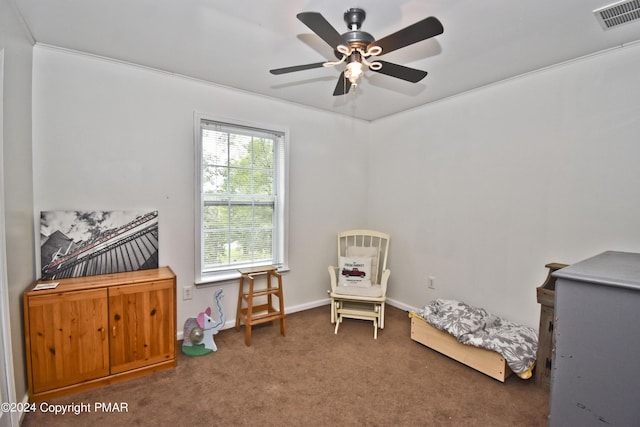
{"points": [[546, 297], [95, 330]]}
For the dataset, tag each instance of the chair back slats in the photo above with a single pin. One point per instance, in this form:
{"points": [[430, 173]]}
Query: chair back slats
{"points": [[367, 238]]}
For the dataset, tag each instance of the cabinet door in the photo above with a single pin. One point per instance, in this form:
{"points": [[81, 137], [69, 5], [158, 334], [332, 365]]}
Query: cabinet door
{"points": [[68, 338], [545, 346], [142, 324]]}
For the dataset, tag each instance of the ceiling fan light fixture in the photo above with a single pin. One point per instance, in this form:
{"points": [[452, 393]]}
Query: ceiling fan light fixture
{"points": [[334, 63], [373, 51], [353, 72], [345, 50], [375, 65]]}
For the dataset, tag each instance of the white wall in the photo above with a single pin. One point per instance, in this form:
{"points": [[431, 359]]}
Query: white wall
{"points": [[108, 135], [483, 189], [15, 150], [480, 190]]}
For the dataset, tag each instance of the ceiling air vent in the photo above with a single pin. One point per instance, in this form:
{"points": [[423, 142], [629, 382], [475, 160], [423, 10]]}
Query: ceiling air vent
{"points": [[618, 13]]}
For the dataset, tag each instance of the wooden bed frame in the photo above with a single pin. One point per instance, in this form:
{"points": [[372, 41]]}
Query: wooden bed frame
{"points": [[486, 361]]}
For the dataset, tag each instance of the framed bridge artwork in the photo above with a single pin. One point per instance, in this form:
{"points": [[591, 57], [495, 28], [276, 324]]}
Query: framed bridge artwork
{"points": [[88, 243]]}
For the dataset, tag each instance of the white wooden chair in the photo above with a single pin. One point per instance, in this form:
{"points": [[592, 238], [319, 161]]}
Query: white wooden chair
{"points": [[359, 283]]}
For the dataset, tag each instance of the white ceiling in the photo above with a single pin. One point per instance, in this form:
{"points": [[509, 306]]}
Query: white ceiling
{"points": [[235, 42]]}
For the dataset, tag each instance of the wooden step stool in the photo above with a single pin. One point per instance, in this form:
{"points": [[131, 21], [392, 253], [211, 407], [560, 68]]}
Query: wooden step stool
{"points": [[262, 313]]}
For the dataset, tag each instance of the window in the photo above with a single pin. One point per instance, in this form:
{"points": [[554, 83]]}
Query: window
{"points": [[241, 212]]}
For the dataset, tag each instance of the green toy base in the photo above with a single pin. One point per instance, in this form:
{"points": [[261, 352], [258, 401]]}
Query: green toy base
{"points": [[196, 350]]}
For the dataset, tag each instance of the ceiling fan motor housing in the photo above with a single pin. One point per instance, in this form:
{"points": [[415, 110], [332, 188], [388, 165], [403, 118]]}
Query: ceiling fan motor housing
{"points": [[357, 39], [354, 16]]}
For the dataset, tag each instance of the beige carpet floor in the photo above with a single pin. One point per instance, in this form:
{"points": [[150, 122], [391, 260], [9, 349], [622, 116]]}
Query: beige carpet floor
{"points": [[312, 377]]}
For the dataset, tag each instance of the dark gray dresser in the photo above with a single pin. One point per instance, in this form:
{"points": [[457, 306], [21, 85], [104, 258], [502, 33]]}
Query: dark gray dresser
{"points": [[595, 378]]}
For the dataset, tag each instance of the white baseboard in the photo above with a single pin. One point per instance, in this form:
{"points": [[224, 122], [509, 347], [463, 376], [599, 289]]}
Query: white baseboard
{"points": [[25, 401], [308, 306], [401, 306], [231, 323]]}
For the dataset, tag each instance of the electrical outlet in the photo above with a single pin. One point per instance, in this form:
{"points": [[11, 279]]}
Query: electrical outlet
{"points": [[432, 282], [187, 292]]}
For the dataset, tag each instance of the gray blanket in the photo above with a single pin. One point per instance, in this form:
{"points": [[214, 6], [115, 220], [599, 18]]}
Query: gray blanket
{"points": [[475, 326]]}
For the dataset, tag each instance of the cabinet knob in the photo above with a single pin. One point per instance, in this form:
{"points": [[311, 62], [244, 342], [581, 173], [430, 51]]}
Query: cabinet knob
{"points": [[113, 331]]}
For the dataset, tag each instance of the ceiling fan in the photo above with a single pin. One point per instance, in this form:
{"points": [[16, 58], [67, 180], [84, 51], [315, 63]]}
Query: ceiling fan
{"points": [[358, 48]]}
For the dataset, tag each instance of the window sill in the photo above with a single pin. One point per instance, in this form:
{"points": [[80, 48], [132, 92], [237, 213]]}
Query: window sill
{"points": [[225, 277]]}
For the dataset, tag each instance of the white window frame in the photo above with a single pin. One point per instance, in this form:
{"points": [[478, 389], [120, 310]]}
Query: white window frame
{"points": [[281, 211]]}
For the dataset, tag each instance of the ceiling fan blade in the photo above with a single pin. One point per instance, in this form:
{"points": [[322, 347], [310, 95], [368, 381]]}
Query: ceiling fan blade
{"points": [[322, 28], [343, 86], [296, 68], [422, 30], [401, 72]]}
